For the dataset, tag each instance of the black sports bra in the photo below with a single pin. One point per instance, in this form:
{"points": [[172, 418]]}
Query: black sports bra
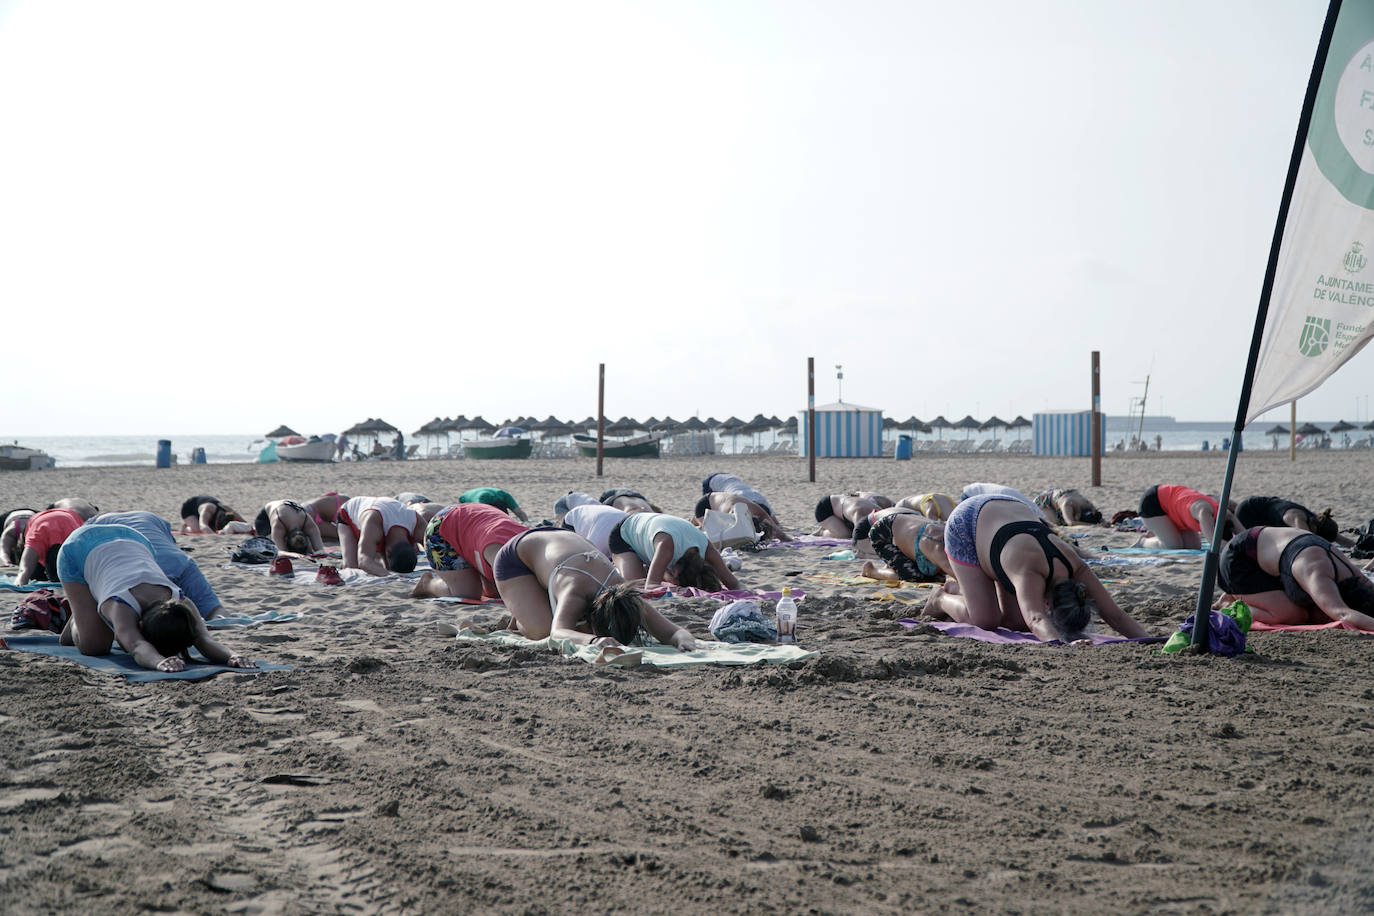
{"points": [[1038, 530]]}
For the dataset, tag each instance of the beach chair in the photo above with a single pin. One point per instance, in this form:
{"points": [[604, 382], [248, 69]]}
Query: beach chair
{"points": [[412, 450]]}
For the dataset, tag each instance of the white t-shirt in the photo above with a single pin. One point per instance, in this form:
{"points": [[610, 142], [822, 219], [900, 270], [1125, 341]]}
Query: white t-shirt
{"points": [[115, 567], [595, 523]]}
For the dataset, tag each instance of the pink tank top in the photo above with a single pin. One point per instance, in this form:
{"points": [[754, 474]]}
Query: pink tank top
{"points": [[473, 527]]}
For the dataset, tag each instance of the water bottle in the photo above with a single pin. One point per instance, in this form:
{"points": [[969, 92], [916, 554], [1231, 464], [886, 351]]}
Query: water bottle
{"points": [[786, 612]]}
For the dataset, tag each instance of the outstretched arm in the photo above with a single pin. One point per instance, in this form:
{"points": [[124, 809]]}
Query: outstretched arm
{"points": [[9, 547], [28, 565], [1107, 608], [215, 652], [667, 632], [713, 557]]}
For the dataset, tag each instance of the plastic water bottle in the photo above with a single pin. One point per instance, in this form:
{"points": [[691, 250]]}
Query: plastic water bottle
{"points": [[786, 612]]}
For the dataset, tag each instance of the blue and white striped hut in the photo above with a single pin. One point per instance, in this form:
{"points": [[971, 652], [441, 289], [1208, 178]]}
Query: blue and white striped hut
{"points": [[844, 431], [1065, 432]]}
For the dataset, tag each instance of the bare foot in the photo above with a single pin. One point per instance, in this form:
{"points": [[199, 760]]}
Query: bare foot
{"points": [[423, 589], [874, 572]]}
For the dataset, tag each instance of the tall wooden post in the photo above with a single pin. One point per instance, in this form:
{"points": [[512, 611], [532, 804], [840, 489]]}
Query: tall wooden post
{"points": [[600, 415], [1293, 430], [1097, 419], [811, 414]]}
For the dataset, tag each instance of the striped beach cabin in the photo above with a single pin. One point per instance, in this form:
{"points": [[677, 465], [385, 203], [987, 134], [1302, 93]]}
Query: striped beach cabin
{"points": [[843, 431], [1065, 432]]}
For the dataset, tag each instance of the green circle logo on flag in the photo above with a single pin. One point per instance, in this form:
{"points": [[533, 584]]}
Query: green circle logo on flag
{"points": [[1340, 135], [1315, 336]]}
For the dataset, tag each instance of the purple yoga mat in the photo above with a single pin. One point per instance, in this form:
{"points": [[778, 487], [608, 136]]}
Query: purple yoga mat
{"points": [[1003, 636], [731, 594]]}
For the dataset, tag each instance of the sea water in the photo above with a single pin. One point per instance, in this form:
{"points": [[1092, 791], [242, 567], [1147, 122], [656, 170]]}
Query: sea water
{"points": [[95, 451]]}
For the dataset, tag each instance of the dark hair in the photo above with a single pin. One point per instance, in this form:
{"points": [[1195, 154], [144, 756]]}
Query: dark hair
{"points": [[1358, 593], [1093, 516], [861, 531], [170, 626], [297, 541], [617, 611], [694, 571], [401, 557], [1325, 526], [1071, 610]]}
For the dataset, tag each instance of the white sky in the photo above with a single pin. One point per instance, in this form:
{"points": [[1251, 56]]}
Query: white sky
{"points": [[218, 217]]}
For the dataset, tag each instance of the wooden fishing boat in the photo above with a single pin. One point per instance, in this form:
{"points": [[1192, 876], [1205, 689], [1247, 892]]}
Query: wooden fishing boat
{"points": [[498, 447], [18, 458], [299, 448], [645, 446]]}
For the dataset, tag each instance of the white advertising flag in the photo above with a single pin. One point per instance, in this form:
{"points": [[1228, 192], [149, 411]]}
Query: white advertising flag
{"points": [[1321, 307]]}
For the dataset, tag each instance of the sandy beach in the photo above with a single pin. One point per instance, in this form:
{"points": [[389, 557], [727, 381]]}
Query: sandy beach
{"points": [[900, 770]]}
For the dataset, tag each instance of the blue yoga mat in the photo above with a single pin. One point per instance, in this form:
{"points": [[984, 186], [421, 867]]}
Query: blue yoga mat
{"points": [[121, 662], [239, 620], [7, 582]]}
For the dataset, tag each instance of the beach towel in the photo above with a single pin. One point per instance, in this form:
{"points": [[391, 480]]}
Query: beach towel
{"points": [[725, 594], [1304, 627], [121, 662], [810, 540], [7, 583], [239, 620], [1002, 636], [1108, 559], [305, 574], [707, 653]]}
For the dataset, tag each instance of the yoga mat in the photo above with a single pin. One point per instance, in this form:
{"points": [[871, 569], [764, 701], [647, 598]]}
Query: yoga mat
{"points": [[1162, 551], [1002, 636], [1110, 560], [7, 582], [121, 662], [232, 621], [707, 653]]}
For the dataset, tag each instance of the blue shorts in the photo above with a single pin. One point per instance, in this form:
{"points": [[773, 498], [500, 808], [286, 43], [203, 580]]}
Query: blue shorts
{"points": [[961, 531], [508, 564], [71, 560]]}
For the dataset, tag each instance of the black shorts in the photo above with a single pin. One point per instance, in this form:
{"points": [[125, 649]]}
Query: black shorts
{"points": [[702, 505], [1290, 586], [616, 543], [192, 506], [1239, 572], [1269, 510], [262, 526], [824, 509], [1149, 504]]}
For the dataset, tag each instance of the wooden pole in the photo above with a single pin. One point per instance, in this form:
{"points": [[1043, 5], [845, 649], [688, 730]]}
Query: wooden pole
{"points": [[811, 414], [1293, 430], [600, 416], [1097, 419]]}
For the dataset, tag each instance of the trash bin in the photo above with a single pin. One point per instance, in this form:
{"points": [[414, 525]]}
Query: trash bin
{"points": [[164, 453], [903, 452], [197, 455]]}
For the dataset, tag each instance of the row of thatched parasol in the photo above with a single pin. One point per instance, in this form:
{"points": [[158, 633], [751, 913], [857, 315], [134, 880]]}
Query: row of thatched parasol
{"points": [[552, 426], [1312, 429]]}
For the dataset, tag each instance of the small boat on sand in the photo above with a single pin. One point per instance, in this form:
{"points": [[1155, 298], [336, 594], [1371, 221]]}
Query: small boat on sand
{"points": [[645, 446], [498, 447], [299, 448], [16, 457]]}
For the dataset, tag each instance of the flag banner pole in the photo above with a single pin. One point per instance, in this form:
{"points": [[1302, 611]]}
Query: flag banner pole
{"points": [[1201, 618]]}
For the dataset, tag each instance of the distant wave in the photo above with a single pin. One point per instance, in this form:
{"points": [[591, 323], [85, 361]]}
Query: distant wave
{"points": [[134, 458]]}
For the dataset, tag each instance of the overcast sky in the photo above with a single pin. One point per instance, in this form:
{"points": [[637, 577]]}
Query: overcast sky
{"points": [[218, 217]]}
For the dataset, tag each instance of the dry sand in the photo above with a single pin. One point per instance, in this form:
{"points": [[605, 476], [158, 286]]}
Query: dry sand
{"points": [[397, 771]]}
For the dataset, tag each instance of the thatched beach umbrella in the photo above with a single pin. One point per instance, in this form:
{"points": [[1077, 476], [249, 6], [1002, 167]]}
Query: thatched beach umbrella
{"points": [[1369, 425], [993, 422], [666, 425], [1343, 426], [1019, 424], [940, 424], [623, 425], [282, 430], [1310, 429], [1279, 430], [968, 424]]}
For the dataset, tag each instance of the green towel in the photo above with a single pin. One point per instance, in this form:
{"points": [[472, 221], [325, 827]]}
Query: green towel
{"points": [[707, 652]]}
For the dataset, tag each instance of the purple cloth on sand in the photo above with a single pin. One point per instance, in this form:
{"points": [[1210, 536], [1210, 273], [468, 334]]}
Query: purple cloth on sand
{"points": [[1007, 637], [1225, 637]]}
